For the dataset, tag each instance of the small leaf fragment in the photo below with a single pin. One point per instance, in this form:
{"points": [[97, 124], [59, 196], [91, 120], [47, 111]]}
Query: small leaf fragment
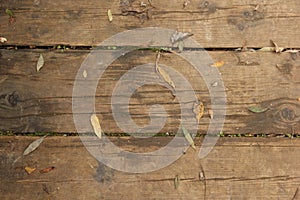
{"points": [[258, 109], [34, 145], [176, 182], [267, 49], [40, 63], [179, 36], [218, 64], [3, 39], [9, 12], [29, 170], [211, 114], [198, 110], [47, 170], [163, 73], [292, 51], [110, 16], [84, 74], [188, 137], [277, 48], [96, 126]]}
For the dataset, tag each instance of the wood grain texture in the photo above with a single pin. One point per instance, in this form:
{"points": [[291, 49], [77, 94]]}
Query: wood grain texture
{"points": [[33, 101], [235, 169], [214, 23]]}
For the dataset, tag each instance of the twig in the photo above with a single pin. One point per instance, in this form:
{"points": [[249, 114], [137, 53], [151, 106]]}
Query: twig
{"points": [[296, 194]]}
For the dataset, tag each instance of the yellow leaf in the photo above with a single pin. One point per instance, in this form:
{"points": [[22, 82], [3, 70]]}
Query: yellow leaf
{"points": [[218, 64], [176, 181], [96, 125], [29, 170], [198, 110], [188, 137], [110, 16]]}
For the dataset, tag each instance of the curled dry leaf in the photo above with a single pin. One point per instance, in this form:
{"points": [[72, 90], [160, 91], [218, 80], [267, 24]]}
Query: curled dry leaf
{"points": [[2, 39], [179, 36], [29, 170], [163, 73], [96, 125], [34, 145], [84, 74], [218, 64], [110, 16], [188, 137], [40, 63], [198, 110], [176, 182], [277, 48], [47, 170]]}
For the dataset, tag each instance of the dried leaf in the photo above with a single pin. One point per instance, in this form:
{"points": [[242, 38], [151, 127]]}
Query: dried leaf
{"points": [[267, 49], [211, 114], [176, 182], [9, 12], [258, 109], [179, 36], [277, 48], [256, 7], [299, 99], [180, 46], [29, 170], [198, 110], [188, 137], [96, 125], [110, 16], [34, 145], [218, 64], [163, 73], [2, 39], [47, 170], [292, 51], [186, 3], [40, 63], [84, 74]]}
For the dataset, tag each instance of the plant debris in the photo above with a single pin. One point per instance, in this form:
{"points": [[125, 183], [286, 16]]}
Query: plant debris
{"points": [[110, 16], [198, 110], [138, 9], [179, 36], [211, 113], [188, 137], [29, 170], [84, 74], [47, 170], [96, 126], [218, 64], [176, 182], [186, 3], [258, 109], [11, 15], [277, 48], [162, 72], [3, 39], [34, 145], [40, 63]]}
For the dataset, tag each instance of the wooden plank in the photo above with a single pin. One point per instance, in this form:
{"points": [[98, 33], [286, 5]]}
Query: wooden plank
{"points": [[235, 169], [215, 24], [42, 101]]}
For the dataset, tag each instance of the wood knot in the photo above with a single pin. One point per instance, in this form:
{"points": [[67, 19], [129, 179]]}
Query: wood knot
{"points": [[287, 114], [9, 100]]}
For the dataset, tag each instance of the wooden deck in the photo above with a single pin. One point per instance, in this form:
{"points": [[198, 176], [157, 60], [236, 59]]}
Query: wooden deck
{"points": [[232, 32]]}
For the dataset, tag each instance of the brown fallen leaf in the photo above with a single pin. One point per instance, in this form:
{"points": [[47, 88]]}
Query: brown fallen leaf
{"points": [[198, 110], [218, 64], [29, 170], [96, 126], [47, 170], [163, 73]]}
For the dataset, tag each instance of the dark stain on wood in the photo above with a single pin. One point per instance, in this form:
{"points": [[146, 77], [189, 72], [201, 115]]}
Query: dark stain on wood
{"points": [[104, 173]]}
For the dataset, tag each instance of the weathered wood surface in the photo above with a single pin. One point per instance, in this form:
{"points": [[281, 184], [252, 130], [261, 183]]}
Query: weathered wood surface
{"points": [[235, 169], [34, 101], [214, 23]]}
